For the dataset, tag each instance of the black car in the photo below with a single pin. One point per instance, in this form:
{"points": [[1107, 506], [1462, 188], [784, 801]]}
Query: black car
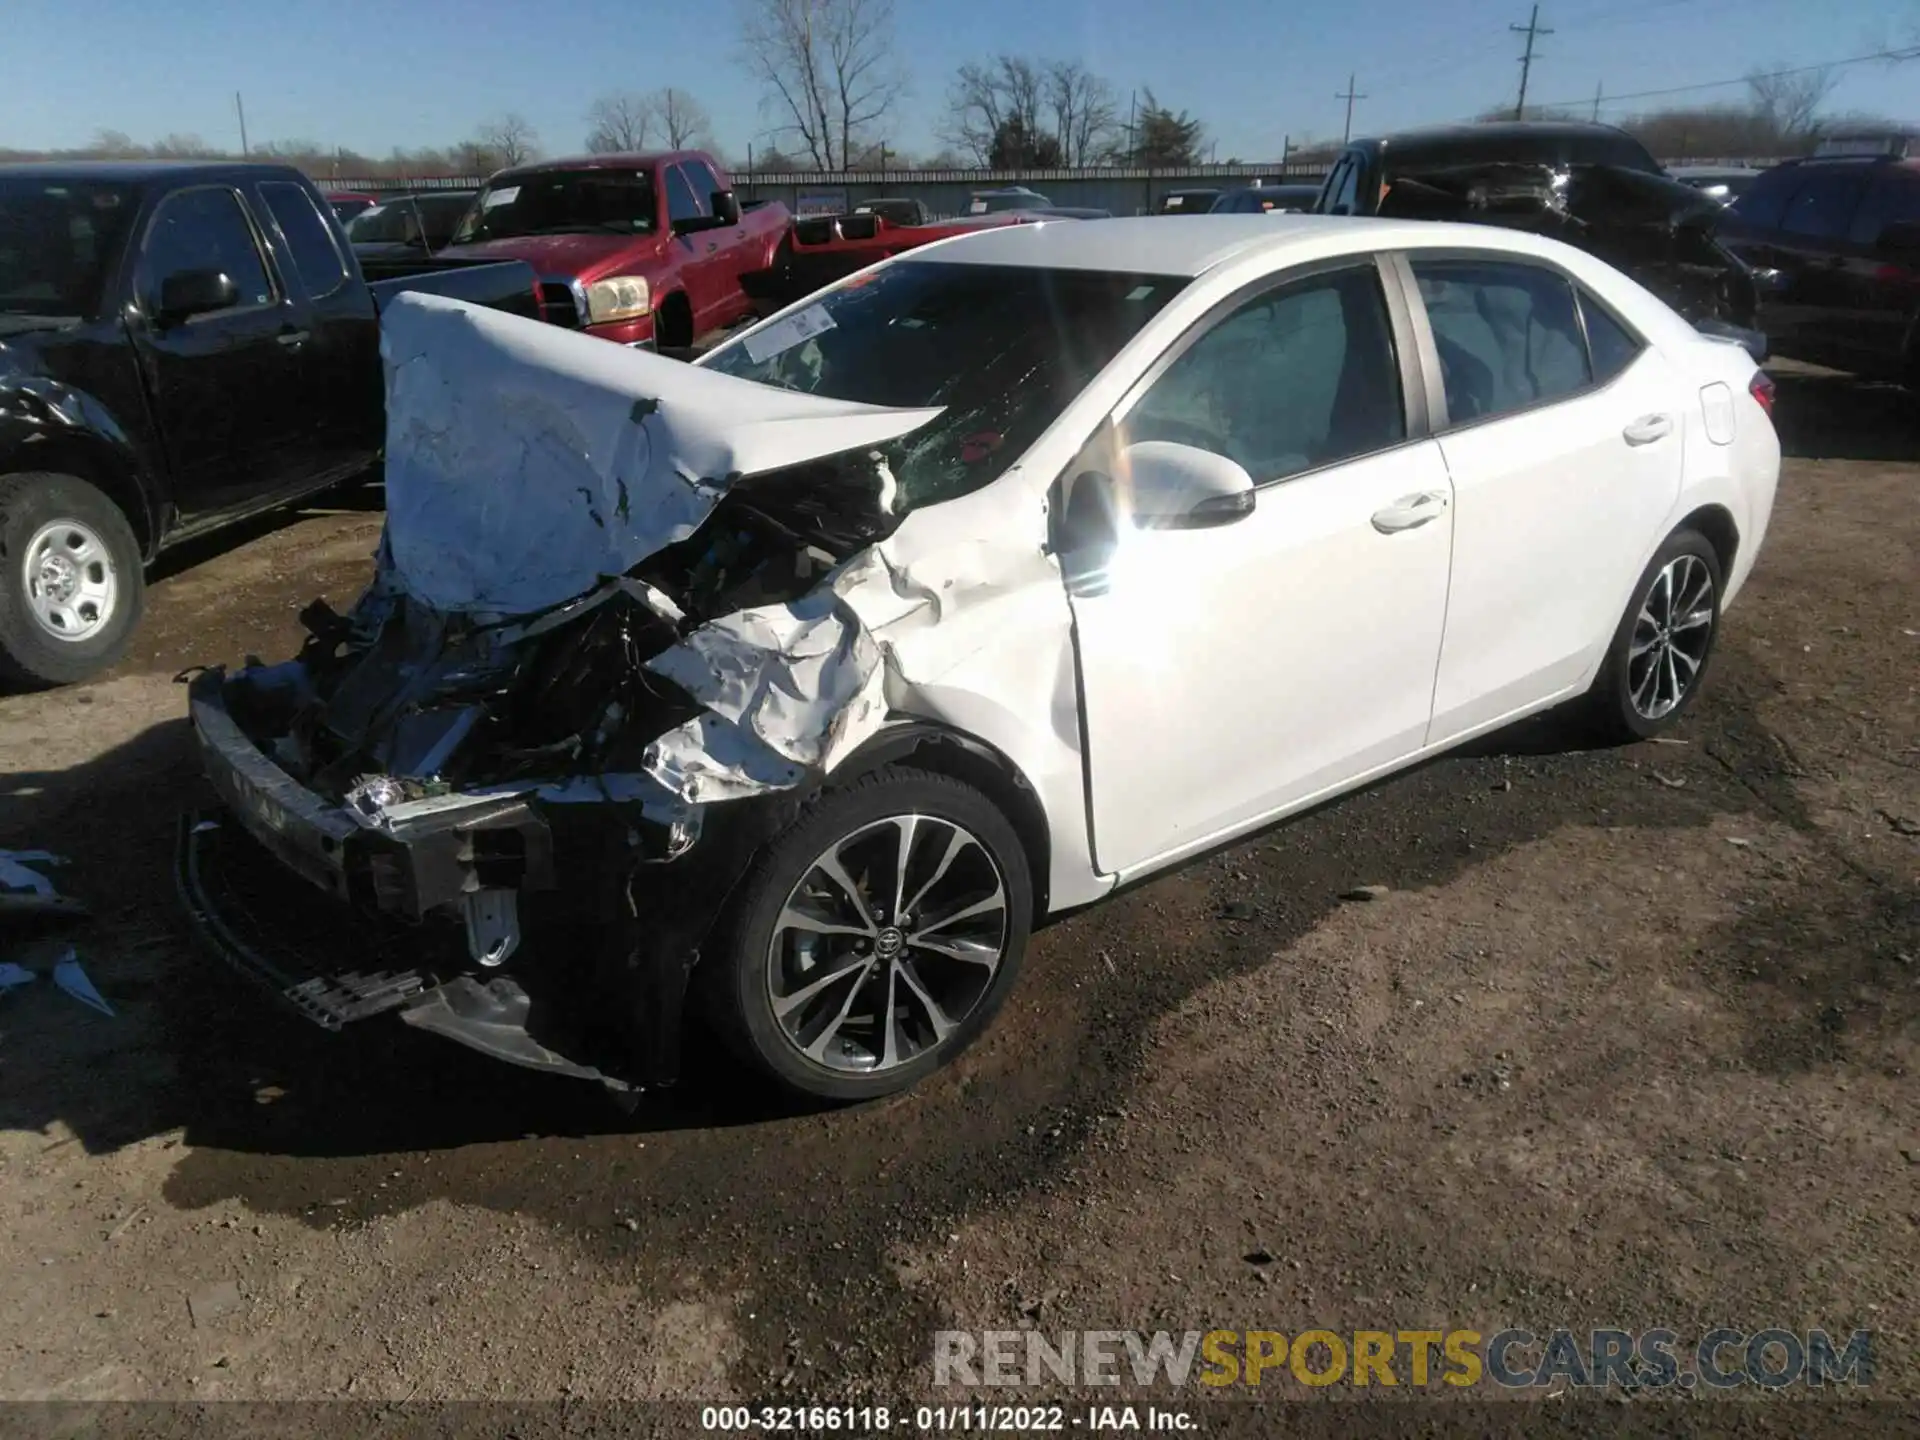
{"points": [[1260, 198], [1589, 185], [181, 345], [1841, 236], [409, 223], [1187, 202]]}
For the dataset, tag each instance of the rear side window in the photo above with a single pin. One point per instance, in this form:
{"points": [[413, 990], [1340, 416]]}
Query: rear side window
{"points": [[1823, 207], [204, 229], [1893, 199], [1508, 335], [315, 255], [1611, 347], [1302, 376], [1764, 204]]}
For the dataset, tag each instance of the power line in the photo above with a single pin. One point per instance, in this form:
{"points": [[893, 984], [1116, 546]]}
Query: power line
{"points": [[1349, 97], [1531, 30], [1743, 79]]}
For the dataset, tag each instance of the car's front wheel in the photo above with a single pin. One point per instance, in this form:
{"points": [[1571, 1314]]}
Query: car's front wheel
{"points": [[874, 939], [1658, 656], [70, 580]]}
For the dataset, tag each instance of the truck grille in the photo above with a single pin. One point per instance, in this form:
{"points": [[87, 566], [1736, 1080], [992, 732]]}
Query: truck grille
{"points": [[557, 305]]}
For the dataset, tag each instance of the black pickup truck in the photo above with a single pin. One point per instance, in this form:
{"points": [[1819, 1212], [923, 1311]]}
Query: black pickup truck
{"points": [[181, 345]]}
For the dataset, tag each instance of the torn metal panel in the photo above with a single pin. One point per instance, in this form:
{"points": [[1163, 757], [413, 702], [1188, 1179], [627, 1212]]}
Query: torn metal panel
{"points": [[526, 463]]}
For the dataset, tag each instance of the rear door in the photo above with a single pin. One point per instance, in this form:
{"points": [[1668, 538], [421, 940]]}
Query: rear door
{"points": [[344, 419], [1563, 442], [228, 387]]}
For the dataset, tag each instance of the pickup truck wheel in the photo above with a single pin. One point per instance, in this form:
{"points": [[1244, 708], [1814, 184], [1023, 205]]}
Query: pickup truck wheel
{"points": [[71, 581], [874, 939], [673, 324]]}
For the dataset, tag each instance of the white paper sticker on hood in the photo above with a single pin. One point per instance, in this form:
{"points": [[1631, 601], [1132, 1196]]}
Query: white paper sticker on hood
{"points": [[525, 462]]}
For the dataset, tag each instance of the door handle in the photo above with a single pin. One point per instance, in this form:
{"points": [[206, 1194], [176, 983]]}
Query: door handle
{"points": [[1410, 512], [1647, 429], [292, 339]]}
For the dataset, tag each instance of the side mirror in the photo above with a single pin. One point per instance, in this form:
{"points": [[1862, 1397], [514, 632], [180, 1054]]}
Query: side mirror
{"points": [[195, 292], [726, 209], [1167, 486]]}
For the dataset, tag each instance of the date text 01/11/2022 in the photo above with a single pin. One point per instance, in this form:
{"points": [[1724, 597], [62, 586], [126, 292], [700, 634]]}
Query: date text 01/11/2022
{"points": [[941, 1419]]}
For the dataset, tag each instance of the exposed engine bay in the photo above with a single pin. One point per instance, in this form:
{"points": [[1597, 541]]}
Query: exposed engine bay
{"points": [[1655, 229], [594, 619]]}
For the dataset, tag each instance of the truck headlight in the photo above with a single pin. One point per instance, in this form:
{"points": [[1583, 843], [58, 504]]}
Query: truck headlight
{"points": [[624, 297]]}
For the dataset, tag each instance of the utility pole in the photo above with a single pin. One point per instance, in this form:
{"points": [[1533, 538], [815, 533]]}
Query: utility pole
{"points": [[1133, 143], [1596, 102], [241, 110], [1531, 30], [1349, 97]]}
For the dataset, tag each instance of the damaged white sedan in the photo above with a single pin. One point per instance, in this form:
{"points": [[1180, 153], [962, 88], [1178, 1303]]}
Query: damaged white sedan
{"points": [[803, 681]]}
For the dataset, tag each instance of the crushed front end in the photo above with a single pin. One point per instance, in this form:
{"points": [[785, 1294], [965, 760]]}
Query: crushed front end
{"points": [[506, 800]]}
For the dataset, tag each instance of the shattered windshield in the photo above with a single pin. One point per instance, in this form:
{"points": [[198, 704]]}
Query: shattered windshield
{"points": [[59, 239], [563, 202], [1003, 348]]}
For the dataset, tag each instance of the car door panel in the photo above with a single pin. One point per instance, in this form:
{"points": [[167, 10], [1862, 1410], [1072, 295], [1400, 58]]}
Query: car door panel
{"points": [[1556, 501], [1229, 673], [228, 387]]}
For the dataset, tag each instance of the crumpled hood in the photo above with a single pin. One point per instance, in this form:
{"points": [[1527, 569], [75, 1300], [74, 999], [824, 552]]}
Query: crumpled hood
{"points": [[526, 463]]}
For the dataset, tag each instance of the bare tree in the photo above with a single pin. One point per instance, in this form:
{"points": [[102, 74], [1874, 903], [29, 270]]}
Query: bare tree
{"points": [[1790, 99], [510, 139], [620, 122], [1084, 112], [829, 69], [684, 118], [990, 98]]}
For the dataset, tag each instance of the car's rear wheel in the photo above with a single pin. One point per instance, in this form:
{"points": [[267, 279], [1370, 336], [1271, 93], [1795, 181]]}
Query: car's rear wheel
{"points": [[71, 583], [875, 939], [1659, 653]]}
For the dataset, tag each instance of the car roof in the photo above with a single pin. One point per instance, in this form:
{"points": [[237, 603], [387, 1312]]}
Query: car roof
{"points": [[1147, 245], [139, 172]]}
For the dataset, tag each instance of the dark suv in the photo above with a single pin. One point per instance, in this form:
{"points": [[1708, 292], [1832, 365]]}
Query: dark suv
{"points": [[1843, 233]]}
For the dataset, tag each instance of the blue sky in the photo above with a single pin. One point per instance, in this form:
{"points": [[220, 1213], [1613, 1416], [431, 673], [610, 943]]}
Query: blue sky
{"points": [[372, 75]]}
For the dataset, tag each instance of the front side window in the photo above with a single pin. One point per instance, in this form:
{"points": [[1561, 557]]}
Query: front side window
{"points": [[563, 202], [1003, 348], [705, 183], [682, 203], [1301, 377], [1508, 335], [1343, 187], [204, 230], [315, 256], [59, 240]]}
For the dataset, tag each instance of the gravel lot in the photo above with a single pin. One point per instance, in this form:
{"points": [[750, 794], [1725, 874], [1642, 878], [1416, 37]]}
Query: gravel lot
{"points": [[1630, 1040]]}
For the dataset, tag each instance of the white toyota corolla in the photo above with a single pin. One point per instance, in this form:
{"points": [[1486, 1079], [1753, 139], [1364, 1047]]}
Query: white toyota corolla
{"points": [[805, 679]]}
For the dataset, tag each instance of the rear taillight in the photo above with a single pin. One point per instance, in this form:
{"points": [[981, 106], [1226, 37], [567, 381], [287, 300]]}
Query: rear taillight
{"points": [[1762, 390]]}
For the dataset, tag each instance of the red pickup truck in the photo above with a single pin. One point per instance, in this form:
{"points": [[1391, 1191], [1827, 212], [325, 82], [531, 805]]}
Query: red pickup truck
{"points": [[643, 249]]}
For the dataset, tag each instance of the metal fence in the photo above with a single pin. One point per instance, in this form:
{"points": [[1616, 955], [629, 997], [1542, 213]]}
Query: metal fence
{"points": [[1125, 190]]}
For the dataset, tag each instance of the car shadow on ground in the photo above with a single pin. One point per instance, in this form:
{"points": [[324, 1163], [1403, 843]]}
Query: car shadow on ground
{"points": [[210, 1053], [1828, 415]]}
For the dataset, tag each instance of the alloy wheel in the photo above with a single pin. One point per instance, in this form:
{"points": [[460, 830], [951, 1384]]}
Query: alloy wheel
{"points": [[888, 942], [1671, 635]]}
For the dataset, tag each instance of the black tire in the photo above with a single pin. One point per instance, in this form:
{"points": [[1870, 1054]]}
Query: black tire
{"points": [[1617, 706], [738, 968], [673, 324], [29, 653]]}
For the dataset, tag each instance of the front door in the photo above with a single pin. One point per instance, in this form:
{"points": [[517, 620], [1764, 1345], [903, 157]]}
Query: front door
{"points": [[1563, 441], [228, 387], [1231, 673]]}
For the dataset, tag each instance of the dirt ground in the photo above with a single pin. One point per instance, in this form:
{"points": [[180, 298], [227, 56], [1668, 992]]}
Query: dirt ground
{"points": [[1630, 1040]]}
